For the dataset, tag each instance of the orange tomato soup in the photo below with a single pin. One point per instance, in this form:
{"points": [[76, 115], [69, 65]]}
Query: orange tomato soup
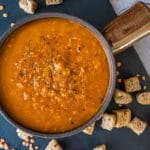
{"points": [[54, 75]]}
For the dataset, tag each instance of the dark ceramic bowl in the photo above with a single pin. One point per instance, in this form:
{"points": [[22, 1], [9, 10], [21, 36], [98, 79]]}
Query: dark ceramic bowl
{"points": [[112, 69]]}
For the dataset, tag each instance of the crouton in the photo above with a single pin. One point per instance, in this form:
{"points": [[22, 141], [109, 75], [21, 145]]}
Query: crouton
{"points": [[132, 84], [122, 98], [137, 126], [29, 6], [100, 147], [143, 98], [123, 117], [89, 130], [53, 2], [53, 145], [108, 121]]}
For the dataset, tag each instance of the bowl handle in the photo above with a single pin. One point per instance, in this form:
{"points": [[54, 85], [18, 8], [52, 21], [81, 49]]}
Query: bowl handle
{"points": [[128, 28]]}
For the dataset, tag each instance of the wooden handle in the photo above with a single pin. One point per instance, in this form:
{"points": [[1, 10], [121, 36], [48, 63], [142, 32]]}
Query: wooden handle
{"points": [[128, 28]]}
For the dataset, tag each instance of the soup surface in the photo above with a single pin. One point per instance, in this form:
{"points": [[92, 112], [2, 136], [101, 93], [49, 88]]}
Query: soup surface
{"points": [[54, 75]]}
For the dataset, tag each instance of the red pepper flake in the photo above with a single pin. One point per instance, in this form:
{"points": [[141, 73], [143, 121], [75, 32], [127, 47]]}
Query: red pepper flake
{"points": [[6, 147]]}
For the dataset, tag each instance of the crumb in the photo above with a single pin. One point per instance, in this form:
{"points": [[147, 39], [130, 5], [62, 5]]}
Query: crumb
{"points": [[1, 7], [5, 15], [119, 80], [119, 64]]}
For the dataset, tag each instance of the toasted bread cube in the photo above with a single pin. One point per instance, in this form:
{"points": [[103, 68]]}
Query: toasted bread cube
{"points": [[53, 145], [123, 117], [108, 121], [89, 130], [122, 98], [29, 6], [143, 98], [53, 2], [137, 126], [132, 84], [100, 147]]}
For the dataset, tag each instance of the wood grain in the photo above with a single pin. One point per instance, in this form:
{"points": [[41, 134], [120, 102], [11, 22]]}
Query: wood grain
{"points": [[128, 28]]}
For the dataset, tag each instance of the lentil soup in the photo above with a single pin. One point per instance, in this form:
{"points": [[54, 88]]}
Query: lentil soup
{"points": [[54, 75]]}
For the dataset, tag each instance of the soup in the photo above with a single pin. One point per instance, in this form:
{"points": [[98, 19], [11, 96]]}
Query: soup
{"points": [[54, 75]]}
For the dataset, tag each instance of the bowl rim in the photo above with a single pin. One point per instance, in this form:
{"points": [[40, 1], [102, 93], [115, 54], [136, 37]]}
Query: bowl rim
{"points": [[112, 69]]}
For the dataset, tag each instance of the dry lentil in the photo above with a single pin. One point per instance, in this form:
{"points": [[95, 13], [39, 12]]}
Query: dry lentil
{"points": [[24, 143], [12, 24], [1, 7], [5, 15], [2, 140], [32, 140], [119, 80], [117, 73], [31, 147], [1, 145], [6, 146], [119, 64], [143, 78], [36, 147]]}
